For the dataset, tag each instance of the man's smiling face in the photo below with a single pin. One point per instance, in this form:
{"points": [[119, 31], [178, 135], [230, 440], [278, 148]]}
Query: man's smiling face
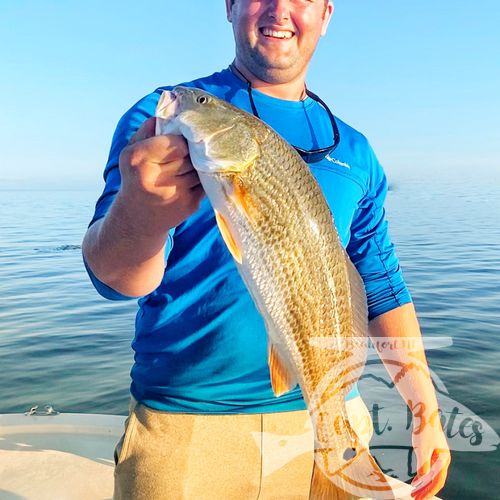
{"points": [[275, 39]]}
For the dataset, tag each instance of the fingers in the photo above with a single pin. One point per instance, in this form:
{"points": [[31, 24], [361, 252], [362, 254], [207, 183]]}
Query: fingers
{"points": [[181, 167], [180, 174], [424, 464], [198, 194], [155, 150], [424, 469], [145, 146], [158, 177], [428, 489], [428, 484]]}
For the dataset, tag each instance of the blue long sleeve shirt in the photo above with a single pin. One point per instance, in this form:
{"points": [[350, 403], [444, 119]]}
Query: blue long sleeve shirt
{"points": [[200, 344]]}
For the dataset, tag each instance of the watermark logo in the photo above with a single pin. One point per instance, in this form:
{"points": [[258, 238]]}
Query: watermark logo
{"points": [[389, 428]]}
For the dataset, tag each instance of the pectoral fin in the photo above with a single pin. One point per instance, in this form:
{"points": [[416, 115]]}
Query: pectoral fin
{"points": [[242, 201], [282, 378], [228, 237]]}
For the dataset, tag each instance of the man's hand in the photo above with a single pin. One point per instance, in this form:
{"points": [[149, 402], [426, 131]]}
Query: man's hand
{"points": [[160, 188], [404, 358], [433, 456]]}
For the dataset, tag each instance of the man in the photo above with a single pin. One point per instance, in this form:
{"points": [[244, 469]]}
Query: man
{"points": [[200, 382]]}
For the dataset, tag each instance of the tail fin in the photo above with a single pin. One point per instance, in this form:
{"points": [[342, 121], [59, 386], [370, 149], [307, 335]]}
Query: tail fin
{"points": [[360, 477]]}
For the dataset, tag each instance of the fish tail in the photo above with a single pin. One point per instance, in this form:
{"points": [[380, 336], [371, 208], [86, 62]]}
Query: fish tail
{"points": [[358, 477], [322, 488]]}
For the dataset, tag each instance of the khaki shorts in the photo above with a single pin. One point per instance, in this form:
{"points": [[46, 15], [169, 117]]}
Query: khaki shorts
{"points": [[220, 457]]}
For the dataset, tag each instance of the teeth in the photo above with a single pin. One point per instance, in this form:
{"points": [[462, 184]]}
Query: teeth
{"points": [[277, 34]]}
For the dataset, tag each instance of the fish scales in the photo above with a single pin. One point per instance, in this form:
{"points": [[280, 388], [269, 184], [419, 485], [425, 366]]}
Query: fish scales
{"points": [[301, 265]]}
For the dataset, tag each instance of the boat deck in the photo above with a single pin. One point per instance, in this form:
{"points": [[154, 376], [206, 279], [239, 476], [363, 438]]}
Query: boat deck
{"points": [[62, 457]]}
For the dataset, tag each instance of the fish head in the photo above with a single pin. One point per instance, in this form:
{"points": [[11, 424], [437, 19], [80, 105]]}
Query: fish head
{"points": [[221, 138]]}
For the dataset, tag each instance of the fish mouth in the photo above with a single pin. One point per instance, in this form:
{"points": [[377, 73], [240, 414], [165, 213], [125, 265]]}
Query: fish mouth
{"points": [[169, 106], [169, 115]]}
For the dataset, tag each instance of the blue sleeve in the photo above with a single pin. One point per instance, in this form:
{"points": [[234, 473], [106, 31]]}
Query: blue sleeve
{"points": [[371, 249], [126, 128], [104, 290]]}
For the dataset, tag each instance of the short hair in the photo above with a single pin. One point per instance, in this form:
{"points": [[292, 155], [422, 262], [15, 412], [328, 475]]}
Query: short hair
{"points": [[326, 2]]}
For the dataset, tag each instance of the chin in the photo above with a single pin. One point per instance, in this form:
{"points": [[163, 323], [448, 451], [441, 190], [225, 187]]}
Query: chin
{"points": [[279, 75], [275, 71]]}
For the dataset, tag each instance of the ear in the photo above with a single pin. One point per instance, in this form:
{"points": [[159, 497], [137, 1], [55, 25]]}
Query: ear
{"points": [[229, 8], [327, 17]]}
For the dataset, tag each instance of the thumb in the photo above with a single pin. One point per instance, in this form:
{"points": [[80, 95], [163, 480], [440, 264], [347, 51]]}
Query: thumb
{"points": [[145, 131]]}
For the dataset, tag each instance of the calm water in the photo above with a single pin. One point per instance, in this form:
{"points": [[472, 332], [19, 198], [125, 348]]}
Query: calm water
{"points": [[60, 343]]}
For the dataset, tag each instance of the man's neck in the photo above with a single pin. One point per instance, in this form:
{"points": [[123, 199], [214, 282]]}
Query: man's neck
{"points": [[291, 91]]}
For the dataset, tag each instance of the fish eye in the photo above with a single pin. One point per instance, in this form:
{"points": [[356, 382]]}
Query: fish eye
{"points": [[202, 99]]}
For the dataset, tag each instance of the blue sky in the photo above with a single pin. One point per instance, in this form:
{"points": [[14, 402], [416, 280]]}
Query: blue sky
{"points": [[420, 79]]}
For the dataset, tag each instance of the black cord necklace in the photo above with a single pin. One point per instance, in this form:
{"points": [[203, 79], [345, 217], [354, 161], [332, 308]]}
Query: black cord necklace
{"points": [[308, 155]]}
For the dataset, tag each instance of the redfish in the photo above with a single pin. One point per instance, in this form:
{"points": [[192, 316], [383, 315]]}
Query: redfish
{"points": [[279, 229]]}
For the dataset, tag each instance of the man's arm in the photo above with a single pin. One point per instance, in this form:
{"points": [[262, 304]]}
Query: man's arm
{"points": [[121, 255], [393, 317], [407, 366], [159, 189]]}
